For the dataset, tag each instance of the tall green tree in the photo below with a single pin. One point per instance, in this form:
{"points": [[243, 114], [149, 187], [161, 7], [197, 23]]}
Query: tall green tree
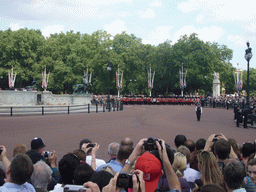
{"points": [[20, 50]]}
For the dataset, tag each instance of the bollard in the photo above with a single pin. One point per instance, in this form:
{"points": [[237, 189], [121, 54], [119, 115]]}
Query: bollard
{"points": [[42, 110], [88, 108], [96, 107], [11, 111], [103, 107]]}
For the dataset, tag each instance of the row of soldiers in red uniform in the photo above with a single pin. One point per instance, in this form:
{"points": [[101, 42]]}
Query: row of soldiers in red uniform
{"points": [[160, 100]]}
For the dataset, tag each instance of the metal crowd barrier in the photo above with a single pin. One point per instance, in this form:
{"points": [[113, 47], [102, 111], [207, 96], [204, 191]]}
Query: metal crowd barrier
{"points": [[58, 109], [217, 105]]}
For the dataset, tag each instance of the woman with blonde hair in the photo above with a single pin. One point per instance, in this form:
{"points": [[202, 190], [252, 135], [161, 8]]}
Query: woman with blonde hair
{"points": [[179, 165], [209, 169]]}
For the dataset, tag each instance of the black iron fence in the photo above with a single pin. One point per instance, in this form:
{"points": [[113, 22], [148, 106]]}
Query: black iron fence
{"points": [[59, 109]]}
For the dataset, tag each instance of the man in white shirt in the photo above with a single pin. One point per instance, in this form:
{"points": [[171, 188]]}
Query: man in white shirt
{"points": [[86, 145]]}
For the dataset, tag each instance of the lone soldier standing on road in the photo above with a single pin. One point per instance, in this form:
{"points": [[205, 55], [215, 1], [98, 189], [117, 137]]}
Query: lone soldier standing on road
{"points": [[198, 110]]}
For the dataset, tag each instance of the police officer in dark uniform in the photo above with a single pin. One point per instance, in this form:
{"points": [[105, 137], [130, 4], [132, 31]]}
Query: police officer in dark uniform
{"points": [[235, 111], [202, 101], [213, 103], [239, 116], [227, 103], [198, 110]]}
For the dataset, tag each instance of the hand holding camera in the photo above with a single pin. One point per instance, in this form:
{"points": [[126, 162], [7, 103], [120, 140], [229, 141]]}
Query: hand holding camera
{"points": [[138, 181], [139, 149], [3, 157], [111, 187], [52, 159], [3, 151], [150, 144], [209, 142], [95, 148], [215, 138], [161, 147], [219, 136], [87, 146], [124, 181], [47, 154]]}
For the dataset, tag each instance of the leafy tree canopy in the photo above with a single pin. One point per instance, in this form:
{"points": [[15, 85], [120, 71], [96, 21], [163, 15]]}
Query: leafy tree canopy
{"points": [[67, 56]]}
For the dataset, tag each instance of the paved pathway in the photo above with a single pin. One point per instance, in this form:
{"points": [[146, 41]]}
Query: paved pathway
{"points": [[64, 132]]}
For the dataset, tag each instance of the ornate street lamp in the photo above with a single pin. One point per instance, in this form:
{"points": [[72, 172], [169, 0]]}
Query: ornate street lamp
{"points": [[108, 99], [132, 80], [205, 77], [248, 56]]}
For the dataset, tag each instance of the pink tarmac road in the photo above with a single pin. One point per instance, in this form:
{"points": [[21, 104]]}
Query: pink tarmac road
{"points": [[63, 133]]}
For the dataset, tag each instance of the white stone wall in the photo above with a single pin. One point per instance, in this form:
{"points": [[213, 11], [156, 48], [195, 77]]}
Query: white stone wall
{"points": [[50, 99], [29, 98], [18, 98], [81, 100]]}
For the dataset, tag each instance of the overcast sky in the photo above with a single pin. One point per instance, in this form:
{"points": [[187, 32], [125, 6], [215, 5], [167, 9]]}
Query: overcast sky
{"points": [[228, 22]]}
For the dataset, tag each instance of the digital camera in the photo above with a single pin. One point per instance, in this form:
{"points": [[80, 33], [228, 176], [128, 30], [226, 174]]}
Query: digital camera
{"points": [[215, 138], [150, 144], [124, 180], [47, 154], [90, 145]]}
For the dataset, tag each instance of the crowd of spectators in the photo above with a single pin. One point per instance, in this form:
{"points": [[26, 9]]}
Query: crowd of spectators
{"points": [[222, 101], [214, 164]]}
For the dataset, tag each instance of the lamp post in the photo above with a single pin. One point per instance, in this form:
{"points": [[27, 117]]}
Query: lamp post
{"points": [[205, 77], [132, 80], [248, 56], [108, 99], [1, 77]]}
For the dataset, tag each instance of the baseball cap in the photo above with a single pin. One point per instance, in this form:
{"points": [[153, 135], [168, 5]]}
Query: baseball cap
{"points": [[152, 169], [37, 143]]}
